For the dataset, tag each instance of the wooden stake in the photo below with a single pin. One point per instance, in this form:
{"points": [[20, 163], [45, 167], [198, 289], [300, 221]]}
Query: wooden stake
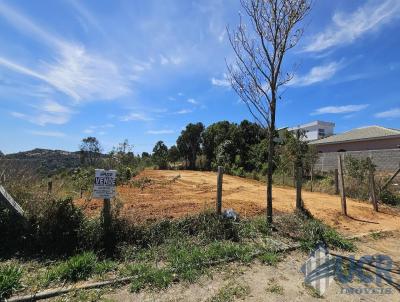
{"points": [[341, 186], [49, 186], [299, 176], [373, 190], [219, 189], [107, 226], [336, 182], [312, 177]]}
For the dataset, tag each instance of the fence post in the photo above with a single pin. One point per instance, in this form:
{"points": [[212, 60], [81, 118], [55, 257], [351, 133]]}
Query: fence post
{"points": [[219, 189], [341, 185], [49, 186], [312, 177], [336, 182], [107, 226], [372, 190], [299, 176]]}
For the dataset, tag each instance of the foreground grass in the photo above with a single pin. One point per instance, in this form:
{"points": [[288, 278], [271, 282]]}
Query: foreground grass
{"points": [[10, 279], [180, 251]]}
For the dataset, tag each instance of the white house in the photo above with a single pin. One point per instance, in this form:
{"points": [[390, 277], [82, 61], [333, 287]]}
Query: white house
{"points": [[316, 130]]}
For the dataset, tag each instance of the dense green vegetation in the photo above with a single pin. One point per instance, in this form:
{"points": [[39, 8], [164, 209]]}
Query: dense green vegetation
{"points": [[157, 254]]}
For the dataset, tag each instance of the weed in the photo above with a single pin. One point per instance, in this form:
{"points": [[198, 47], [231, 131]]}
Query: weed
{"points": [[10, 276], [312, 291], [376, 235], [146, 275], [230, 292], [269, 258], [274, 287], [79, 267]]}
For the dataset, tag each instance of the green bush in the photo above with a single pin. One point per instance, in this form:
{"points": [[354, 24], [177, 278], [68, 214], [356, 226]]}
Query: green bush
{"points": [[315, 232], [10, 279], [57, 227], [388, 197], [79, 267]]}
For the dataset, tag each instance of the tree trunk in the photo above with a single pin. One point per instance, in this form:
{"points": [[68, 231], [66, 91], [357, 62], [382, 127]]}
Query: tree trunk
{"points": [[271, 150]]}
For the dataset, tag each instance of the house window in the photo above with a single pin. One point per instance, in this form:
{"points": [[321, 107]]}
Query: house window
{"points": [[321, 132]]}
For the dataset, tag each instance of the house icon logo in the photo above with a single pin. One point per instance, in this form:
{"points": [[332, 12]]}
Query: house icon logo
{"points": [[319, 269]]}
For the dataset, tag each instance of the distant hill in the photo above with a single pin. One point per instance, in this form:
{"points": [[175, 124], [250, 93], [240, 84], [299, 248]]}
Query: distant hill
{"points": [[42, 161]]}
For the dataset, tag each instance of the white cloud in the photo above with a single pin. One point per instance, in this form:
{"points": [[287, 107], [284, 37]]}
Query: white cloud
{"points": [[76, 72], [347, 27], [224, 82], [134, 116], [166, 131], [47, 133], [392, 113], [184, 111], [339, 109], [174, 60], [192, 101], [316, 74], [54, 107], [49, 112]]}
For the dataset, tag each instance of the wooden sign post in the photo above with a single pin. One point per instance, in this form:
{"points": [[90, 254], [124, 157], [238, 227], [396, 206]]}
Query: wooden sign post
{"points": [[104, 187], [341, 186], [219, 190]]}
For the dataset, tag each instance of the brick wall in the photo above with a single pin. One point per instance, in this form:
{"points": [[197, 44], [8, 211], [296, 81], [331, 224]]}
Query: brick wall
{"points": [[387, 160]]}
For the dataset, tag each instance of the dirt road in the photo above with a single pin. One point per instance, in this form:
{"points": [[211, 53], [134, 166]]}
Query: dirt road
{"points": [[172, 194]]}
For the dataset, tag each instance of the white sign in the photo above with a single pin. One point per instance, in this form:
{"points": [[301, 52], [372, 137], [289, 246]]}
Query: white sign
{"points": [[104, 183]]}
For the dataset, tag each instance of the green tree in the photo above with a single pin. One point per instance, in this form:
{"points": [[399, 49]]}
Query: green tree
{"points": [[213, 136], [160, 155], [257, 73], [173, 154], [189, 143], [90, 150]]}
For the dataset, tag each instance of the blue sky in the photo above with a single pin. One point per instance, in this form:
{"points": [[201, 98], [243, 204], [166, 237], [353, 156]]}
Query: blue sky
{"points": [[142, 70]]}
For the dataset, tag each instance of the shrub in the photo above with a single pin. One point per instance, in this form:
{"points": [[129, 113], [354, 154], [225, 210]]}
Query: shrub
{"points": [[58, 227], [79, 267], [314, 232], [388, 197], [10, 276]]}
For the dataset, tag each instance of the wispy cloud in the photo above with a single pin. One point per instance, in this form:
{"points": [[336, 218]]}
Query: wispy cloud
{"points": [[76, 72], [339, 109], [392, 113], [184, 111], [347, 27], [49, 112], [164, 131], [47, 133], [223, 82], [316, 74], [192, 101], [135, 116]]}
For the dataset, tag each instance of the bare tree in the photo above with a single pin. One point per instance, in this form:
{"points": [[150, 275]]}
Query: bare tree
{"points": [[256, 75]]}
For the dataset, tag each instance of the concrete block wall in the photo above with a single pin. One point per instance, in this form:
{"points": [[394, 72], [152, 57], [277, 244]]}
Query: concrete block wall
{"points": [[386, 160]]}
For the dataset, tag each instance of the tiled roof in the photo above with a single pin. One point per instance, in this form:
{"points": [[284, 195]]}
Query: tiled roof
{"points": [[369, 132]]}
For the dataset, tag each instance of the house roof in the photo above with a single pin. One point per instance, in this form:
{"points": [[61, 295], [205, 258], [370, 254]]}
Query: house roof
{"points": [[364, 133]]}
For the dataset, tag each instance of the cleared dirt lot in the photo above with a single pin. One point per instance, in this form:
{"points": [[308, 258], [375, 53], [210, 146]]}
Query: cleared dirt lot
{"points": [[173, 194]]}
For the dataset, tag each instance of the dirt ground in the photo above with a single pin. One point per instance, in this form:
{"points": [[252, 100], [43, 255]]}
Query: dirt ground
{"points": [[173, 194], [284, 282]]}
